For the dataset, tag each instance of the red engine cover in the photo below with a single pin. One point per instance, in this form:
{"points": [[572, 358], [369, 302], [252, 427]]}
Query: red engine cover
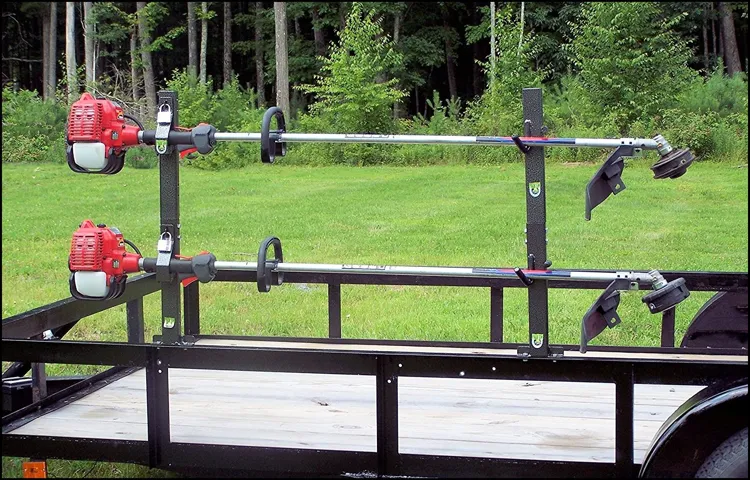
{"points": [[100, 120], [100, 249]]}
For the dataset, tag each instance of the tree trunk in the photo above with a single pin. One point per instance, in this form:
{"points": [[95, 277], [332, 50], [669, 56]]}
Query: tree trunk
{"points": [[706, 64], [396, 36], [416, 99], [259, 63], [731, 52], [449, 63], [45, 54], [282, 61], [342, 15], [320, 41], [520, 37], [133, 63], [149, 85], [192, 47], [475, 69], [88, 35], [204, 41], [227, 43], [714, 43], [492, 41], [70, 50], [52, 66]]}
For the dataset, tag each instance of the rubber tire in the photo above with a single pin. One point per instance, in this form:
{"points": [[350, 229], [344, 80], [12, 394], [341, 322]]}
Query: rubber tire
{"points": [[729, 460]]}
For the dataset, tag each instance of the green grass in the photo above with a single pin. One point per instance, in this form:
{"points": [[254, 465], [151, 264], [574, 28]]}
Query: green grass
{"points": [[441, 215]]}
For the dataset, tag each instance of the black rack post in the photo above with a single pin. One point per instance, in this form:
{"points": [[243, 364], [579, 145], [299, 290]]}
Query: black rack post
{"points": [[169, 190], [536, 228]]}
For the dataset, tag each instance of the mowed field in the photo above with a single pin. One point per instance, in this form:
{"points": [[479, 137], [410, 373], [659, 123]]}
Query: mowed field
{"points": [[434, 216]]}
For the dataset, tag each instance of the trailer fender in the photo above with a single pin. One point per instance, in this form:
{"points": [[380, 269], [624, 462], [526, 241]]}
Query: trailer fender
{"points": [[696, 429], [720, 323]]}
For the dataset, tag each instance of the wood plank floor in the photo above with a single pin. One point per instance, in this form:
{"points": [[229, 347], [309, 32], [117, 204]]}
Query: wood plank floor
{"points": [[466, 417]]}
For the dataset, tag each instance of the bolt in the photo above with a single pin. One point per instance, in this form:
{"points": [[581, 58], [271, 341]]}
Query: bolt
{"points": [[389, 380], [658, 279], [494, 369], [399, 365], [159, 370], [158, 362], [462, 374]]}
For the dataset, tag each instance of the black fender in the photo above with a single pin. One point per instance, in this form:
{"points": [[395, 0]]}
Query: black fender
{"points": [[720, 323], [695, 429]]}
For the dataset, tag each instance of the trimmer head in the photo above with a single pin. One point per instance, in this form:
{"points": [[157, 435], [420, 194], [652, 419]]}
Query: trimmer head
{"points": [[673, 165]]}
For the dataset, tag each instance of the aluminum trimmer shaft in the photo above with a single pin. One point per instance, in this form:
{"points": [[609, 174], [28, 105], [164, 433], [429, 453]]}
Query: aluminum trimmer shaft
{"points": [[287, 267], [644, 143]]}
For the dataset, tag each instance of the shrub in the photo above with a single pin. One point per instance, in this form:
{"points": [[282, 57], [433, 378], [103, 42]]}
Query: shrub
{"points": [[718, 93], [26, 114], [632, 63], [196, 99], [348, 93], [33, 129]]}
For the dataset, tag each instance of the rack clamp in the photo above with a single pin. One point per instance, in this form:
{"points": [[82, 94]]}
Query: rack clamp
{"points": [[165, 247], [163, 126], [521, 146]]}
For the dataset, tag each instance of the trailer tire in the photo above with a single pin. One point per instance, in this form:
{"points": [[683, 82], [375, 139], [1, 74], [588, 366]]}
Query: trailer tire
{"points": [[729, 460]]}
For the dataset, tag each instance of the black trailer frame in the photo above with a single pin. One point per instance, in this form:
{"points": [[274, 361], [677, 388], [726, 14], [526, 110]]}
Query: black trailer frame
{"points": [[176, 348]]}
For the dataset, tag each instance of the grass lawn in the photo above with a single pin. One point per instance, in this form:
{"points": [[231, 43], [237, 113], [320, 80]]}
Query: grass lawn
{"points": [[441, 215]]}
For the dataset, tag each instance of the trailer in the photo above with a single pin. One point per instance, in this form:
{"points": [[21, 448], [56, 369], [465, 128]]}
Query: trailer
{"points": [[204, 404]]}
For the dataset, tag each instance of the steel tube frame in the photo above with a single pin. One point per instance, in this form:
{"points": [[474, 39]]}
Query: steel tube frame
{"points": [[387, 367]]}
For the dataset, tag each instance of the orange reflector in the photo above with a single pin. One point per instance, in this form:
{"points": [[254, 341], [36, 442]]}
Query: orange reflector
{"points": [[34, 469]]}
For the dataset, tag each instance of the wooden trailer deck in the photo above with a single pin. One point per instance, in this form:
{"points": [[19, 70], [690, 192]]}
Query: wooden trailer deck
{"points": [[571, 421]]}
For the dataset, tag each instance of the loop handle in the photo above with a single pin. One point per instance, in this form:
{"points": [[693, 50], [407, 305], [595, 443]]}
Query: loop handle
{"points": [[266, 266], [269, 147]]}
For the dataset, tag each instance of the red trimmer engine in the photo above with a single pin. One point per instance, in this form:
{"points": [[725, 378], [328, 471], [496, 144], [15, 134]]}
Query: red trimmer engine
{"points": [[98, 136], [99, 263]]}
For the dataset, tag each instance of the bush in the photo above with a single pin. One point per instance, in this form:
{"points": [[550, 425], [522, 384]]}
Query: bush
{"points": [[349, 94], [632, 63], [33, 129], [195, 99], [719, 93], [26, 114]]}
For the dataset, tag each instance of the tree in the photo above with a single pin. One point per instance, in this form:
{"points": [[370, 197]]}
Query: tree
{"points": [[629, 69], [450, 39], [282, 60], [70, 50], [227, 43], [144, 34], [318, 35], [52, 59], [731, 52], [89, 38], [192, 46], [347, 90], [204, 40], [45, 54], [492, 39], [259, 63], [134, 64]]}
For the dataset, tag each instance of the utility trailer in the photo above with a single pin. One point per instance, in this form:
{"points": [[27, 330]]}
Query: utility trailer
{"points": [[271, 406]]}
